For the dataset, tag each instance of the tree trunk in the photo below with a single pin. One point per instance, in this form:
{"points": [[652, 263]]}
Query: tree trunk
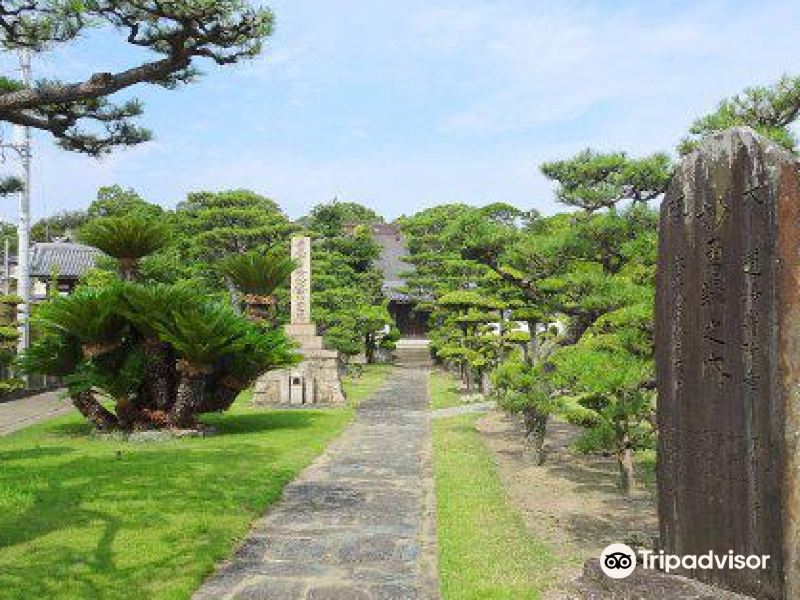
{"points": [[94, 412], [223, 395], [369, 349], [486, 383], [159, 373], [189, 395], [234, 294], [501, 327], [535, 423], [127, 414], [468, 372], [129, 269], [577, 327], [626, 474], [532, 350]]}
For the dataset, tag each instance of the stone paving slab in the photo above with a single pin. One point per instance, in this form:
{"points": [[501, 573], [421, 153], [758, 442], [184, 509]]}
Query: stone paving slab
{"points": [[359, 523], [17, 414]]}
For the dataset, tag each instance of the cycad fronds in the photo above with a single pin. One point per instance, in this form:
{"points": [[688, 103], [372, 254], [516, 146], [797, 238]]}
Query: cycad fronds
{"points": [[127, 238], [90, 316], [261, 351], [146, 305], [256, 272], [203, 333]]}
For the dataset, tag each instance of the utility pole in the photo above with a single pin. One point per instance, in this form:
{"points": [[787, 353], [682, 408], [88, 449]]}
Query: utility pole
{"points": [[23, 144], [6, 268]]}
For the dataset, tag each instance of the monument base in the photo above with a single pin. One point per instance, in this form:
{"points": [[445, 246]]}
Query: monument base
{"points": [[315, 380]]}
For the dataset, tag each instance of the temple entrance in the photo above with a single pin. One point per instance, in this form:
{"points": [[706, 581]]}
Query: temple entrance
{"points": [[412, 324]]}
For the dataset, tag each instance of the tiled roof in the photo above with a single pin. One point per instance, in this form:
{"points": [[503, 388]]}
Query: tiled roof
{"points": [[68, 259]]}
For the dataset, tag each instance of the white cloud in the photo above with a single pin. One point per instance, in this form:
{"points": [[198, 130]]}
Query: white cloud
{"points": [[556, 62], [402, 105]]}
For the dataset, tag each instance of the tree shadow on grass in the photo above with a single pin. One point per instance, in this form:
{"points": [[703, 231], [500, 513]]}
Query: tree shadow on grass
{"points": [[90, 514], [112, 519], [238, 423], [71, 429], [224, 423], [30, 453]]}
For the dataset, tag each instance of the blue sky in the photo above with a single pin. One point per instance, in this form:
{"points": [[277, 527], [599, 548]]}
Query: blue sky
{"points": [[407, 104]]}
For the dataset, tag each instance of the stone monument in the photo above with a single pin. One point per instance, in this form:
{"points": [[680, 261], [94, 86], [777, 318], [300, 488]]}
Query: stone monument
{"points": [[728, 361], [315, 380]]}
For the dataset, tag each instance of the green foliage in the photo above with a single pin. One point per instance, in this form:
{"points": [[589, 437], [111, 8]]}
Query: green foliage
{"points": [[11, 384], [216, 224], [129, 237], [9, 335], [770, 110], [89, 316], [256, 272], [10, 185], [348, 302], [259, 351], [58, 225], [329, 220], [467, 298], [116, 201], [52, 353], [588, 276], [146, 306], [519, 387], [203, 333], [593, 180]]}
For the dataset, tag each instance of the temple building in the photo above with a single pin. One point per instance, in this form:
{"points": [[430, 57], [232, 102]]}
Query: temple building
{"points": [[57, 265], [411, 323]]}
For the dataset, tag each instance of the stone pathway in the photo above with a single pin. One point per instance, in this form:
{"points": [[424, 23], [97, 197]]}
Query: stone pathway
{"points": [[17, 414], [359, 523]]}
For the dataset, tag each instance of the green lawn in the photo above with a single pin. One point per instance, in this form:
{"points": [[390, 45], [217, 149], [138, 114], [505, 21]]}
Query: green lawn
{"points": [[81, 518], [358, 389], [443, 389], [485, 550]]}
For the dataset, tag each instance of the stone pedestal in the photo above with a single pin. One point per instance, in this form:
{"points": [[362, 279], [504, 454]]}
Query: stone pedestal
{"points": [[313, 381]]}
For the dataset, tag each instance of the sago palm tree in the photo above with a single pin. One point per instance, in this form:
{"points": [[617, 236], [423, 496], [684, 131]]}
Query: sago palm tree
{"points": [[202, 334], [257, 275], [145, 306], [128, 239]]}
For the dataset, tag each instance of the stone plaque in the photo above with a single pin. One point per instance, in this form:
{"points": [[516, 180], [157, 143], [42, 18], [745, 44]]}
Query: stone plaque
{"points": [[728, 360], [301, 281]]}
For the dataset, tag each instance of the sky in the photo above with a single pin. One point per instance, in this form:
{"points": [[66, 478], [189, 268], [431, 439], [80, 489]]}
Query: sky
{"points": [[402, 105]]}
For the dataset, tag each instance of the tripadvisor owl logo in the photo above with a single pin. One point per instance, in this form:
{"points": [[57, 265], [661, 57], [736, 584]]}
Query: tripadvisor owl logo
{"points": [[618, 561]]}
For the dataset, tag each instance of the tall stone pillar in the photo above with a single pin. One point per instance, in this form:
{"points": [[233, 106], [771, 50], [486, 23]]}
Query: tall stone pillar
{"points": [[316, 379], [728, 361], [301, 280]]}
